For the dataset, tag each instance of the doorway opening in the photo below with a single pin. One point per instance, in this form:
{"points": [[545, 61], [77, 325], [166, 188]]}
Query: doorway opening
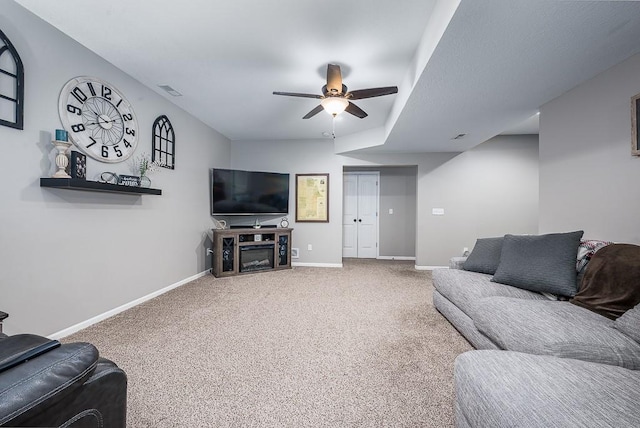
{"points": [[393, 232], [360, 215]]}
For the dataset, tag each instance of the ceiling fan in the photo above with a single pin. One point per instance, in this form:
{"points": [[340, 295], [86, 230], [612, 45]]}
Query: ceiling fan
{"points": [[335, 98]]}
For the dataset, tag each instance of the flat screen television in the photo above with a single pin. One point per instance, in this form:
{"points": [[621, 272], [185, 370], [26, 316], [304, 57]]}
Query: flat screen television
{"points": [[236, 192]]}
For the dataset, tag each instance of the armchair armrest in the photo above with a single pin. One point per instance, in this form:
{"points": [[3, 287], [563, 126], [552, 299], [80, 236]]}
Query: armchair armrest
{"points": [[457, 262], [3, 316], [69, 385]]}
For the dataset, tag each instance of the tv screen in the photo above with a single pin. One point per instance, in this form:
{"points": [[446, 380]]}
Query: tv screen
{"points": [[235, 192]]}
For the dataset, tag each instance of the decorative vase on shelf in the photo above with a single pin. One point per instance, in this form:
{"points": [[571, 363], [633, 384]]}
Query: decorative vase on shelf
{"points": [[141, 165], [61, 158]]}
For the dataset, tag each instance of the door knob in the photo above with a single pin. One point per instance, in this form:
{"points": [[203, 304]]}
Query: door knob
{"points": [[360, 220], [354, 220]]}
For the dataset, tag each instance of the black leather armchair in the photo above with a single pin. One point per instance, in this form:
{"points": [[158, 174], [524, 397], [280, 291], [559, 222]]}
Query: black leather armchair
{"points": [[43, 383]]}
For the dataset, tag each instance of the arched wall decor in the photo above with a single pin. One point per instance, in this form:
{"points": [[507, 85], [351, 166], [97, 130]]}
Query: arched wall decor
{"points": [[164, 142], [11, 85]]}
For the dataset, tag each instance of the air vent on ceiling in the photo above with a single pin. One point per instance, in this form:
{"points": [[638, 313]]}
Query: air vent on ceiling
{"points": [[170, 90], [459, 136]]}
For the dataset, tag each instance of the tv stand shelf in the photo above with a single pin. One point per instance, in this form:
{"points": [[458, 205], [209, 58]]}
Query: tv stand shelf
{"points": [[249, 250]]}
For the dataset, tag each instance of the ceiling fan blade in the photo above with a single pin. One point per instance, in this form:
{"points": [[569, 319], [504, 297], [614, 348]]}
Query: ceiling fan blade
{"points": [[334, 79], [295, 94], [355, 110], [373, 92], [314, 112]]}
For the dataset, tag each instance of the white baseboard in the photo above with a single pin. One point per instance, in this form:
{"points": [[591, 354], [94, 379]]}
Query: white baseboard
{"points": [[430, 267], [395, 258], [84, 324], [327, 265]]}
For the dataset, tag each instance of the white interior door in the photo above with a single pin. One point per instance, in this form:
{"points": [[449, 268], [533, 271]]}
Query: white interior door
{"points": [[360, 215], [350, 216], [368, 216]]}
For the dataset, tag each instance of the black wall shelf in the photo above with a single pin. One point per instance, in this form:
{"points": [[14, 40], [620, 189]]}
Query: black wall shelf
{"points": [[96, 186]]}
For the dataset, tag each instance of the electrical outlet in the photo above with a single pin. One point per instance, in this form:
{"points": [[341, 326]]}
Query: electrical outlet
{"points": [[309, 247]]}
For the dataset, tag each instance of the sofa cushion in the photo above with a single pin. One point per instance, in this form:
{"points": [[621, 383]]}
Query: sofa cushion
{"points": [[543, 263], [508, 389], [629, 323], [610, 285], [485, 256], [462, 322], [554, 328], [464, 289]]}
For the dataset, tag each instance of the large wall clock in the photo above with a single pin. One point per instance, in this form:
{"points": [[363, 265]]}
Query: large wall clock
{"points": [[99, 119]]}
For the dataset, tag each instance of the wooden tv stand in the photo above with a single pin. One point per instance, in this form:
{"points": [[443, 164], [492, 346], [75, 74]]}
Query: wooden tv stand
{"points": [[240, 251]]}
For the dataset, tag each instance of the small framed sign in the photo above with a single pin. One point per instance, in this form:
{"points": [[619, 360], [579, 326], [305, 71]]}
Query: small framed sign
{"points": [[78, 165], [129, 180], [635, 121]]}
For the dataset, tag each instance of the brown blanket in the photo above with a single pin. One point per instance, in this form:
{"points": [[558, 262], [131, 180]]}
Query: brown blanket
{"points": [[611, 283]]}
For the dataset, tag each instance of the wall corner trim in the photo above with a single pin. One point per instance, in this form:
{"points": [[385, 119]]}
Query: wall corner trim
{"points": [[84, 324]]}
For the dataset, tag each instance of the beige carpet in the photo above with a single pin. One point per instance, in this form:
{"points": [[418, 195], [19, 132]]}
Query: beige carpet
{"points": [[307, 347]]}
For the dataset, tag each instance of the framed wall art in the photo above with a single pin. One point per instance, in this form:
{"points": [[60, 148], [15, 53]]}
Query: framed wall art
{"points": [[164, 143], [11, 85], [312, 198], [78, 165], [635, 121]]}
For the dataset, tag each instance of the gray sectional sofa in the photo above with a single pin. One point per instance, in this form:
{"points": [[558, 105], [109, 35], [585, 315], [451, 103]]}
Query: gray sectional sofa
{"points": [[544, 359]]}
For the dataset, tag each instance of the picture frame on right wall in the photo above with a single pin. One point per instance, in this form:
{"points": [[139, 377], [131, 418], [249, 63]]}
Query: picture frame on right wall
{"points": [[635, 121]]}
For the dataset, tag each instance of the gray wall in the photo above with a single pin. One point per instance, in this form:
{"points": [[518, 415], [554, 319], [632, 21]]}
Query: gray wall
{"points": [[487, 191], [588, 178], [68, 256]]}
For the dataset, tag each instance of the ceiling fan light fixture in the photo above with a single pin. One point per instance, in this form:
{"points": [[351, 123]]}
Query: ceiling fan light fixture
{"points": [[334, 105]]}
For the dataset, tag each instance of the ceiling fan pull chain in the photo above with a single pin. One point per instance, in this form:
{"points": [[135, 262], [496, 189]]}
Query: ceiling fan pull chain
{"points": [[333, 127]]}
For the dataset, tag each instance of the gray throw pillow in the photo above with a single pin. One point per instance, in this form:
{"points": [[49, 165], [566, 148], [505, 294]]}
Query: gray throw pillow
{"points": [[629, 323], [542, 263], [485, 256]]}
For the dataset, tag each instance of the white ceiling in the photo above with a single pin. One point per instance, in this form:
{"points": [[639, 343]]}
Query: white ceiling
{"points": [[482, 69]]}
